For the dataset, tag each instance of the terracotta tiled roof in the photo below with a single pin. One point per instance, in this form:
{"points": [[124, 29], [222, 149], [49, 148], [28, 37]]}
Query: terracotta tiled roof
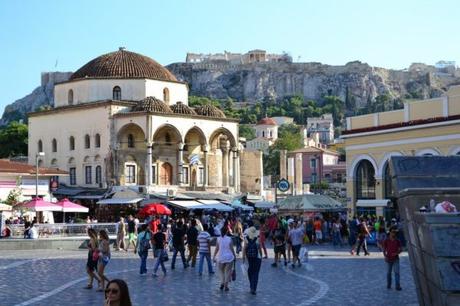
{"points": [[181, 108], [7, 166], [152, 104], [209, 111], [123, 64], [266, 121]]}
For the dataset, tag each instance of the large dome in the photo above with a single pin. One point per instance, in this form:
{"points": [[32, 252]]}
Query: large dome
{"points": [[123, 64], [152, 104]]}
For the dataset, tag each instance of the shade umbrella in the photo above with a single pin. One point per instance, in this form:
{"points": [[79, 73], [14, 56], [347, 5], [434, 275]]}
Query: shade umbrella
{"points": [[155, 209], [68, 206], [38, 204]]}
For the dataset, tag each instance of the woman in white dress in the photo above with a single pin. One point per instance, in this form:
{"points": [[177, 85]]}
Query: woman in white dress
{"points": [[225, 258]]}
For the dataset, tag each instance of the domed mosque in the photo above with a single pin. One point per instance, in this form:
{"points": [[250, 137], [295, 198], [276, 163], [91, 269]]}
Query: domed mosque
{"points": [[123, 119]]}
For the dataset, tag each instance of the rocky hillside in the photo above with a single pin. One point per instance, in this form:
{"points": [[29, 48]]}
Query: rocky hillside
{"points": [[355, 82], [358, 81], [40, 96]]}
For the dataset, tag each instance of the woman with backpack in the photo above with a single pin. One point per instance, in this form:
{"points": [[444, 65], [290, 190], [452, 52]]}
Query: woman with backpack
{"points": [[143, 246], [253, 252]]}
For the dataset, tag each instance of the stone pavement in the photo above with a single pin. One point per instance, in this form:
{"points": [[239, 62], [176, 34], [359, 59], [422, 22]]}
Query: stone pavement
{"points": [[331, 277]]}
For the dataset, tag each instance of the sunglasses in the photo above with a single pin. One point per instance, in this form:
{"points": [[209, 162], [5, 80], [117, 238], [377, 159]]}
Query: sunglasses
{"points": [[114, 291]]}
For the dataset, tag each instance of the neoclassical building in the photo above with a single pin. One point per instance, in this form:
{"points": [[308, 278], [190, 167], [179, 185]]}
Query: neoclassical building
{"points": [[123, 119], [422, 128]]}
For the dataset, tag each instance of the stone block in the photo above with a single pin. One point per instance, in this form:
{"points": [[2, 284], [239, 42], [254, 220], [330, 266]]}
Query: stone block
{"points": [[440, 240]]}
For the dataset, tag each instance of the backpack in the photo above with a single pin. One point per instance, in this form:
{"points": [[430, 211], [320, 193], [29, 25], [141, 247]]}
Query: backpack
{"points": [[144, 244], [252, 250]]}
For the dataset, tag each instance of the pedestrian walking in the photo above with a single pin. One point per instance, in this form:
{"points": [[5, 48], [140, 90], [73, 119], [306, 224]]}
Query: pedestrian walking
{"points": [[253, 252], [192, 242], [288, 239], [225, 256], [143, 246], [121, 233], [296, 235], [317, 225], [132, 232], [392, 247], [159, 242], [117, 293], [104, 258], [336, 232], [204, 240], [263, 236], [238, 235], [279, 246], [93, 256], [363, 232], [178, 239]]}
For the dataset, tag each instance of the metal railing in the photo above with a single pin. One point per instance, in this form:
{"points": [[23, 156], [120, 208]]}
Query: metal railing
{"points": [[63, 229]]}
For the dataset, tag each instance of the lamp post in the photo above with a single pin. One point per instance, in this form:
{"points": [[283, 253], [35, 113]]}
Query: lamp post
{"points": [[39, 154]]}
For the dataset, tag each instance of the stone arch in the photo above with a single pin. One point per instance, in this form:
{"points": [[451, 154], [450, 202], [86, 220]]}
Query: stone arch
{"points": [[384, 161], [351, 173], [455, 150], [54, 163], [365, 182], [97, 158], [87, 159], [194, 138], [218, 133], [427, 151], [167, 134], [71, 161], [137, 134]]}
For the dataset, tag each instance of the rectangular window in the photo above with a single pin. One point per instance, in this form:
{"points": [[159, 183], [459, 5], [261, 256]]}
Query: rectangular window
{"points": [[313, 178], [88, 176], [313, 163], [201, 176], [73, 176], [130, 174], [185, 175], [98, 174], [154, 174]]}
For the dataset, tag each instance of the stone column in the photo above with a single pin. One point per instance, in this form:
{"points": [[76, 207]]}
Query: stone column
{"points": [[225, 150], [149, 164], [235, 168], [298, 174], [180, 178], [205, 149], [283, 162]]}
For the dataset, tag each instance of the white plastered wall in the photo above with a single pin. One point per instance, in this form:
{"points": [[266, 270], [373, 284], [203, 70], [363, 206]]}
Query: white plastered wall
{"points": [[177, 91]]}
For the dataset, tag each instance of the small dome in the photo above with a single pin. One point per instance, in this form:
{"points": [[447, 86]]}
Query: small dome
{"points": [[209, 111], [153, 105], [266, 121], [123, 64], [181, 108]]}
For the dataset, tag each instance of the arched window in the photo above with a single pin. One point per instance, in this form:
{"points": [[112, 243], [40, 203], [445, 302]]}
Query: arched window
{"points": [[263, 134], [40, 146], [70, 97], [72, 143], [116, 93], [54, 145], [388, 188], [98, 174], [87, 141], [365, 180], [166, 95], [97, 141], [130, 141]]}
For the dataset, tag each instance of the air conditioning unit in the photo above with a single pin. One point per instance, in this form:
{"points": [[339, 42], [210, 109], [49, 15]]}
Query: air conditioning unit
{"points": [[171, 193]]}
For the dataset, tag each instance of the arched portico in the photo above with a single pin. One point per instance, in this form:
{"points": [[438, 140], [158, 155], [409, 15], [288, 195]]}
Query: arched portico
{"points": [[130, 155], [196, 158]]}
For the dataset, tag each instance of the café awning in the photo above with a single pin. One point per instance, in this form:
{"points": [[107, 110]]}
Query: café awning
{"points": [[186, 204], [213, 204], [114, 201], [372, 203]]}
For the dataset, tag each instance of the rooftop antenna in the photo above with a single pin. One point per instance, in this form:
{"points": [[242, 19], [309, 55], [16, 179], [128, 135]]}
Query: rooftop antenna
{"points": [[55, 65]]}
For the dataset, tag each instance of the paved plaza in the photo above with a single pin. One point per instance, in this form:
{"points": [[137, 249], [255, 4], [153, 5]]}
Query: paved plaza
{"points": [[332, 277]]}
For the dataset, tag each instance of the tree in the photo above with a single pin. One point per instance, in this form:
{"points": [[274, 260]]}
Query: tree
{"points": [[13, 140], [289, 138], [247, 132]]}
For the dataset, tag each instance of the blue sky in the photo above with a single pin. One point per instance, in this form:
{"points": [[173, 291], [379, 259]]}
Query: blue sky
{"points": [[37, 34]]}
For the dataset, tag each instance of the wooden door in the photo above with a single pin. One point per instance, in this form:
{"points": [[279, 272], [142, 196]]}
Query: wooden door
{"points": [[166, 174]]}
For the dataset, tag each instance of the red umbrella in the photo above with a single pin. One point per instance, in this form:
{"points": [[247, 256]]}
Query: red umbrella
{"points": [[154, 209]]}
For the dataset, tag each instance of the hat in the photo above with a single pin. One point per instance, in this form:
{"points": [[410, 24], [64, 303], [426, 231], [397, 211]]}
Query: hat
{"points": [[290, 221], [252, 232], [393, 220]]}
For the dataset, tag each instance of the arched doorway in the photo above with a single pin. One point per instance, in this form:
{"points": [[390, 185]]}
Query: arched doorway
{"points": [[365, 185], [166, 174]]}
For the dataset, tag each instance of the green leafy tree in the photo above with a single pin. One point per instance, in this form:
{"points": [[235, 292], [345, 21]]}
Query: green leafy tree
{"points": [[247, 132], [13, 140]]}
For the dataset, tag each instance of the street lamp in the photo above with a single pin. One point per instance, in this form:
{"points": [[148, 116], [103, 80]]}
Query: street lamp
{"points": [[39, 154]]}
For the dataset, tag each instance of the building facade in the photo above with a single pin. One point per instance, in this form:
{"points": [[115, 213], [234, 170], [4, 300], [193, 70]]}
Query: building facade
{"points": [[123, 119], [422, 128], [266, 134], [323, 126]]}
